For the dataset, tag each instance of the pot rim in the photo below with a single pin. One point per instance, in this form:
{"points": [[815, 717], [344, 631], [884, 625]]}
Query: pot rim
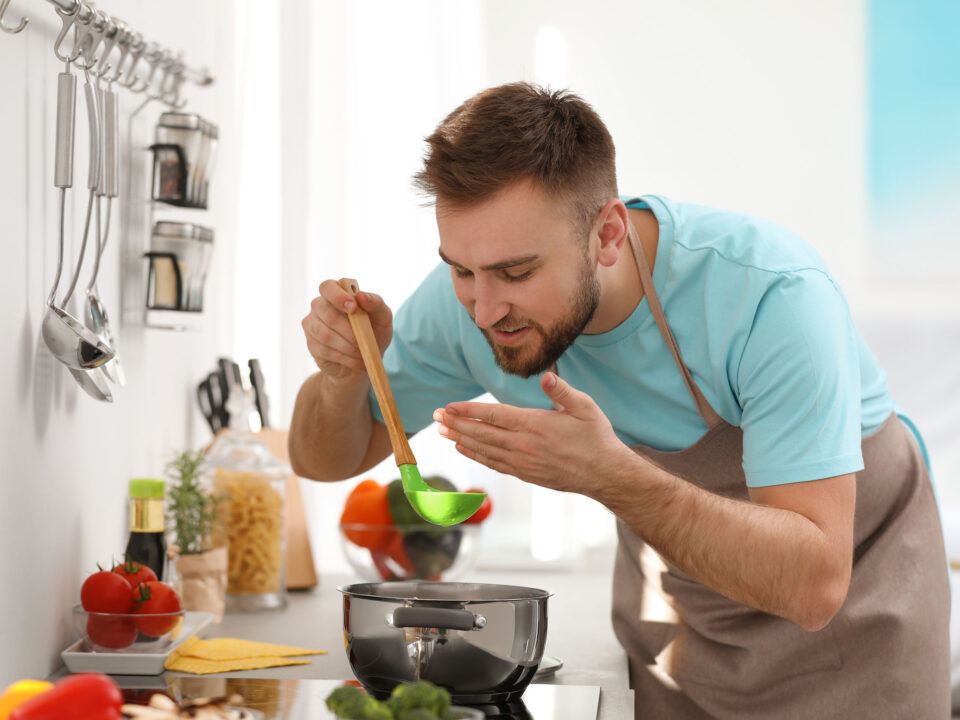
{"points": [[430, 591]]}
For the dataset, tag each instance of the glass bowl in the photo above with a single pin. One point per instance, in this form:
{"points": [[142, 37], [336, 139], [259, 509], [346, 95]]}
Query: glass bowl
{"points": [[126, 632], [382, 553], [455, 712]]}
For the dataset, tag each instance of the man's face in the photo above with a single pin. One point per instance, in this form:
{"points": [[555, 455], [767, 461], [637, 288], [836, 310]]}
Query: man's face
{"points": [[522, 273]]}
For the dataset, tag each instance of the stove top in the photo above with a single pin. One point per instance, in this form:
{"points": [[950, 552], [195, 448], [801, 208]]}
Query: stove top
{"points": [[305, 699]]}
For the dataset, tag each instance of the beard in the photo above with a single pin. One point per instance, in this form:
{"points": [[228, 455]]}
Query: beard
{"points": [[555, 340]]}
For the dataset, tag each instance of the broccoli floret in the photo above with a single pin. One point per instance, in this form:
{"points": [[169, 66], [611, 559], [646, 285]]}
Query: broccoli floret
{"points": [[419, 695], [352, 703], [419, 714]]}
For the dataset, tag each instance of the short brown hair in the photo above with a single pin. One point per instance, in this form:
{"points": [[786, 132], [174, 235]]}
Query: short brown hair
{"points": [[521, 131]]}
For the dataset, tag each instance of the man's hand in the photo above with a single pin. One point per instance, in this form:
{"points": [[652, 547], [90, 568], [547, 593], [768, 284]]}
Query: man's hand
{"points": [[330, 339], [788, 552], [571, 448], [332, 432]]}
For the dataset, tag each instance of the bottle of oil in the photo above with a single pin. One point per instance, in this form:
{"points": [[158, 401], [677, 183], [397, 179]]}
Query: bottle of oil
{"points": [[147, 544]]}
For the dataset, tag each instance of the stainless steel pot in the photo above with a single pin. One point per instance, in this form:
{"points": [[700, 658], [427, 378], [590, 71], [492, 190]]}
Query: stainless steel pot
{"points": [[481, 642]]}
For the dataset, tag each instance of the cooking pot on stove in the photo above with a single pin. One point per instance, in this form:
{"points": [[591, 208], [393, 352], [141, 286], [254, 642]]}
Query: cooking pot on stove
{"points": [[481, 642]]}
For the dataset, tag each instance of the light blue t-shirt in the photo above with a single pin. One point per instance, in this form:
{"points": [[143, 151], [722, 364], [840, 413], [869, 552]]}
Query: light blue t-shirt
{"points": [[760, 322]]}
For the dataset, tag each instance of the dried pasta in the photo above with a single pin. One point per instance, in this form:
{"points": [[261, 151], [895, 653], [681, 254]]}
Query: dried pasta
{"points": [[253, 515]]}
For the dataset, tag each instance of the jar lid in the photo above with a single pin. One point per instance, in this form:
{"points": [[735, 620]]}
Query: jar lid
{"points": [[181, 230], [237, 449], [205, 234], [146, 488], [189, 121]]}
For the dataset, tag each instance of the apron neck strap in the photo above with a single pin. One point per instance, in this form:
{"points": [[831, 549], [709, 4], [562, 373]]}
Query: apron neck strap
{"points": [[709, 415]]}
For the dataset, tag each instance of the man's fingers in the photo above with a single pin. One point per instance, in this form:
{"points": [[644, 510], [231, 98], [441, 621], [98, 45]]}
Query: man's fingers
{"points": [[478, 431], [563, 394], [504, 416]]}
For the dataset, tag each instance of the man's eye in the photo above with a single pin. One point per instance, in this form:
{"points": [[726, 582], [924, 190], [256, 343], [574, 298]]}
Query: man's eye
{"points": [[517, 278], [461, 273]]}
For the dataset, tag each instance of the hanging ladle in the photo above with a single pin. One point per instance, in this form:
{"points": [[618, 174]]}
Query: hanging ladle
{"points": [[436, 506], [95, 314], [68, 340]]}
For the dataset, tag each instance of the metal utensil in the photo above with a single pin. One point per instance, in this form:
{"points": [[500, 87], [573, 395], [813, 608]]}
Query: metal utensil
{"points": [[95, 314], [211, 402], [68, 340], [436, 506], [256, 382]]}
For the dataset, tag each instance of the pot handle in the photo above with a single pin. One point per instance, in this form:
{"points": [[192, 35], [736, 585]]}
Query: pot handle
{"points": [[445, 618]]}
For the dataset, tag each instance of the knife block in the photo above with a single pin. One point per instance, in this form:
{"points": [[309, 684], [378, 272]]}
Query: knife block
{"points": [[301, 571]]}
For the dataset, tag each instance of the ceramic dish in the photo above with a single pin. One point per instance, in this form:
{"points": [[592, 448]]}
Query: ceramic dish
{"points": [[131, 663], [548, 667]]}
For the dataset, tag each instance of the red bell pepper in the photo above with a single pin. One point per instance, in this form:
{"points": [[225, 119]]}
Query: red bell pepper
{"points": [[87, 696]]}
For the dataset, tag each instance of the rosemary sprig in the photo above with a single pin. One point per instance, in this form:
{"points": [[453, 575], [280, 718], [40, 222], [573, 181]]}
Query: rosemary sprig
{"points": [[191, 509]]}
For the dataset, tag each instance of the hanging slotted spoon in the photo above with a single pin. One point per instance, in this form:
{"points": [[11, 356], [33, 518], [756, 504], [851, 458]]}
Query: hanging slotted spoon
{"points": [[68, 340], [436, 506]]}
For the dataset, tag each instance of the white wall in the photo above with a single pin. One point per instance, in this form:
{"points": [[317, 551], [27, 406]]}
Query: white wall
{"points": [[761, 107], [745, 105], [65, 458]]}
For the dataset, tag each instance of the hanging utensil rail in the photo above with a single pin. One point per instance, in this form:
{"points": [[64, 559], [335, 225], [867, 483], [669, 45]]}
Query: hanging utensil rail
{"points": [[95, 28]]}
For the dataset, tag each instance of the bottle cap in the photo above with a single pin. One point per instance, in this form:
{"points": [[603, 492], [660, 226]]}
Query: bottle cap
{"points": [[146, 488]]}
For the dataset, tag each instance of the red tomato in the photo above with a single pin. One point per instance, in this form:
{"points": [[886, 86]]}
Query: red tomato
{"points": [[482, 512], [135, 573], [111, 631], [106, 591], [155, 597]]}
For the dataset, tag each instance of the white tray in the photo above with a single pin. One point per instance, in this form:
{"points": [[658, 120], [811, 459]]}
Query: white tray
{"points": [[132, 663]]}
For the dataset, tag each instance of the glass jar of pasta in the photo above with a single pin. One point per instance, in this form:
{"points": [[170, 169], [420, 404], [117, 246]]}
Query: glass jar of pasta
{"points": [[251, 485]]}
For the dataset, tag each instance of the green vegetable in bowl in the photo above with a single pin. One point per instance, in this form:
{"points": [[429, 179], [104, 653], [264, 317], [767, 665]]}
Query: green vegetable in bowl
{"points": [[419, 695], [352, 703], [410, 701], [429, 549], [419, 714], [431, 555], [402, 511]]}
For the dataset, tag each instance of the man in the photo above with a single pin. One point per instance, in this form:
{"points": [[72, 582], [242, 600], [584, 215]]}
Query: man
{"points": [[695, 371]]}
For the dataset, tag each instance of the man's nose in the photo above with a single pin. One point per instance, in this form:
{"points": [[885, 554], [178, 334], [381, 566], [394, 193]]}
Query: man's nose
{"points": [[489, 307]]}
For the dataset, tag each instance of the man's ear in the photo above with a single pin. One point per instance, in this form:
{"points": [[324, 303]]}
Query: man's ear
{"points": [[611, 230]]}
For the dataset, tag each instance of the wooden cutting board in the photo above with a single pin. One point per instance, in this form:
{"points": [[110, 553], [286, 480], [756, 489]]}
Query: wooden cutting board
{"points": [[301, 572]]}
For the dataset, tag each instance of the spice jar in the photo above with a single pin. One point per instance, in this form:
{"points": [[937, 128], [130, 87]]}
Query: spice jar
{"points": [[251, 484], [178, 139], [178, 253]]}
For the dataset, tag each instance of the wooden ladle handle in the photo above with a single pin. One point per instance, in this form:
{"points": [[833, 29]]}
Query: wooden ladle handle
{"points": [[370, 351]]}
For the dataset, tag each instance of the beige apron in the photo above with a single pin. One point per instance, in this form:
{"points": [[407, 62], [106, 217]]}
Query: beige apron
{"points": [[884, 655]]}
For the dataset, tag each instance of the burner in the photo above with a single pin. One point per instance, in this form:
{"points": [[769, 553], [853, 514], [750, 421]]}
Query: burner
{"points": [[505, 711]]}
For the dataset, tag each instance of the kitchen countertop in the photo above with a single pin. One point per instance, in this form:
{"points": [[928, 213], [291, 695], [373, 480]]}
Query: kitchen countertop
{"points": [[579, 632], [579, 635]]}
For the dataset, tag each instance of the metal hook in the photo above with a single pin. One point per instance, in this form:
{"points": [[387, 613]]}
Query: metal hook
{"points": [[91, 29], [137, 47], [67, 19], [110, 40], [151, 55], [124, 39], [167, 63], [5, 28], [157, 59]]}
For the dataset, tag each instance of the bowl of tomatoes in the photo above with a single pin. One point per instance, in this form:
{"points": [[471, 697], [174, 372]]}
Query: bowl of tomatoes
{"points": [[127, 609], [384, 539]]}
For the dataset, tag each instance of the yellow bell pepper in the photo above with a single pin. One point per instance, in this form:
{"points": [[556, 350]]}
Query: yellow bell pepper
{"points": [[19, 693]]}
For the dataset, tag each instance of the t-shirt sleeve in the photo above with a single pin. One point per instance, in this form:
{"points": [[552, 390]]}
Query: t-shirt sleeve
{"points": [[798, 384], [424, 361]]}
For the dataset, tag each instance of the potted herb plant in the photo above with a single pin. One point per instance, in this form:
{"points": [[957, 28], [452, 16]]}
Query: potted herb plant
{"points": [[197, 543]]}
